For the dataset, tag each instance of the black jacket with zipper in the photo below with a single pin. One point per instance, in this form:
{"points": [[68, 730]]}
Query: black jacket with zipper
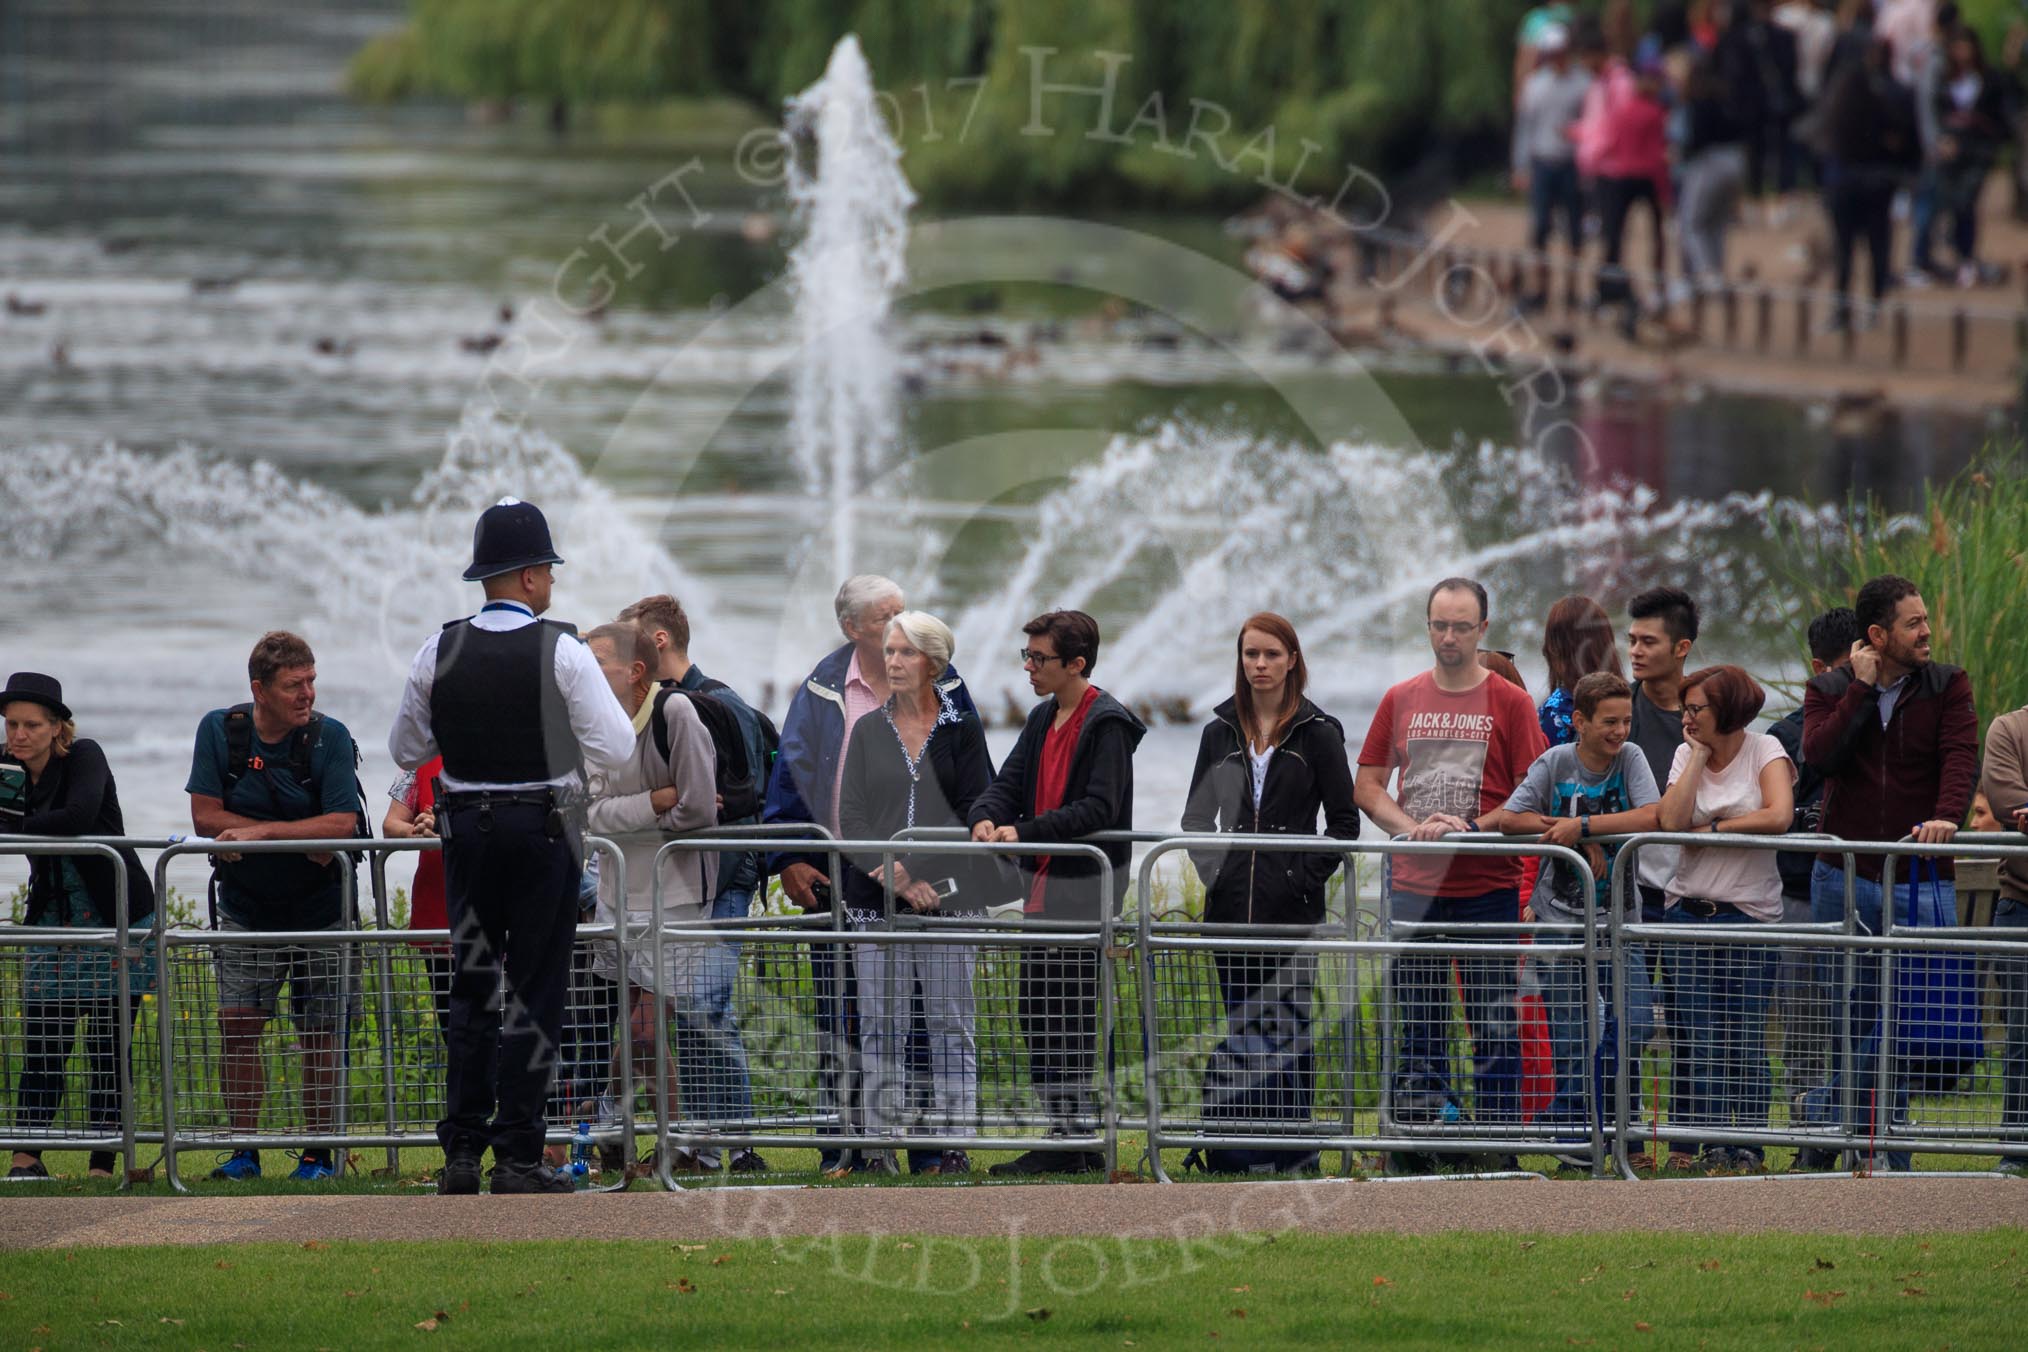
{"points": [[1307, 771], [1098, 795]]}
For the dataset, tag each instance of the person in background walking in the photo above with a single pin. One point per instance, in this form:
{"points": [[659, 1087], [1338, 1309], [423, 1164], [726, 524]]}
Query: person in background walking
{"points": [[1871, 146], [1973, 114], [1545, 155], [1577, 640], [1622, 147]]}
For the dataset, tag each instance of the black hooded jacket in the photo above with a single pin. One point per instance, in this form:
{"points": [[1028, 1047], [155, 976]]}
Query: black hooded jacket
{"points": [[76, 797], [1307, 770], [1098, 795]]}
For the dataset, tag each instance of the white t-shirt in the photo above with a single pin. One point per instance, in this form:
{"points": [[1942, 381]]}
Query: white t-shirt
{"points": [[1747, 879]]}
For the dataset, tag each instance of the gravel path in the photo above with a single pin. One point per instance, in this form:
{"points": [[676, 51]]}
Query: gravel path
{"points": [[1884, 1206]]}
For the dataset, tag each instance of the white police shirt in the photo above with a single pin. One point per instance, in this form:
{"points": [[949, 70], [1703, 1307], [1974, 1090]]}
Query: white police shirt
{"points": [[603, 729]]}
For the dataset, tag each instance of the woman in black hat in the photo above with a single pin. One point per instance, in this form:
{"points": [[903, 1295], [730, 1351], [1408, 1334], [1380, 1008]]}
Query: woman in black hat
{"points": [[69, 792]]}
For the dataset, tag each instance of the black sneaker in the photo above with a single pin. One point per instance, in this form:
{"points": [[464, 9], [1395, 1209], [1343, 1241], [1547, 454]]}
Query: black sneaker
{"points": [[1036, 1163], [460, 1176], [747, 1161], [28, 1171], [954, 1162], [528, 1178]]}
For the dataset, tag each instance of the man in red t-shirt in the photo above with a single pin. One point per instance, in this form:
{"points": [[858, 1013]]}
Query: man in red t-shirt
{"points": [[1461, 740]]}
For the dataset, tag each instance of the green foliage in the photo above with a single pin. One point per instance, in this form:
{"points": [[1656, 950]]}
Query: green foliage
{"points": [[1968, 552], [1376, 83]]}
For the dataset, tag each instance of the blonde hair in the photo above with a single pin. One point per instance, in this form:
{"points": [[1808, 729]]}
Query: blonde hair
{"points": [[929, 636]]}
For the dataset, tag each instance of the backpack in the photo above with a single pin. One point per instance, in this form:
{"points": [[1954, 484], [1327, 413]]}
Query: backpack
{"points": [[771, 736], [240, 757], [1253, 1086], [740, 790]]}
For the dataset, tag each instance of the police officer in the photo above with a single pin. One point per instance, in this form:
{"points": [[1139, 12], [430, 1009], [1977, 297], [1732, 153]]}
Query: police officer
{"points": [[518, 708]]}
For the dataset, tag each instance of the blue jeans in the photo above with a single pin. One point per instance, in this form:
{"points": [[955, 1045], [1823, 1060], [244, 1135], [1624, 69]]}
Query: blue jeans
{"points": [[711, 1067], [1553, 190], [2011, 974], [1421, 990], [1582, 1071], [1854, 1088], [1718, 1002]]}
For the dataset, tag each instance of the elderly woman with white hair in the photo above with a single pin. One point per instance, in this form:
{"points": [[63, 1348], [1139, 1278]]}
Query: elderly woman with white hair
{"points": [[917, 761]]}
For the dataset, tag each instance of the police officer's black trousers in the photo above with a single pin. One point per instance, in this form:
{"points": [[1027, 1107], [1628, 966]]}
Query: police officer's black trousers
{"points": [[511, 891]]}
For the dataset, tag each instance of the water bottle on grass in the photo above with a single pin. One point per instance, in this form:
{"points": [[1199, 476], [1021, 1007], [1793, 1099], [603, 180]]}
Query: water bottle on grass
{"points": [[581, 1156]]}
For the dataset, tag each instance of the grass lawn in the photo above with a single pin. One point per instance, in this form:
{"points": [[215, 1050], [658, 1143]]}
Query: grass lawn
{"points": [[1449, 1292]]}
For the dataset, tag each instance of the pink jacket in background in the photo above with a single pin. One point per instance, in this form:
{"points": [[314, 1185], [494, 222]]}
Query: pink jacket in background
{"points": [[1623, 133]]}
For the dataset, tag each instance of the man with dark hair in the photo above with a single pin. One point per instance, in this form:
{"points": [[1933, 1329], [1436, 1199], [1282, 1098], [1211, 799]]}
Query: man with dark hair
{"points": [[1662, 626], [708, 1044], [1803, 982], [1462, 740], [1896, 738], [846, 685], [276, 769], [522, 714], [1070, 774]]}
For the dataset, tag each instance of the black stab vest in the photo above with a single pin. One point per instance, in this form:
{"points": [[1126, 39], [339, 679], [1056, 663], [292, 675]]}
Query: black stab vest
{"points": [[497, 712]]}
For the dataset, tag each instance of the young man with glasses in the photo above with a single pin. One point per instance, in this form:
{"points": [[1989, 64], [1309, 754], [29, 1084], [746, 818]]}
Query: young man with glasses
{"points": [[1070, 774], [1462, 741]]}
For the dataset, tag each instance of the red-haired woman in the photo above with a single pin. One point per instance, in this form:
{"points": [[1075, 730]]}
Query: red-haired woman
{"points": [[1268, 763], [1725, 781], [1577, 639]]}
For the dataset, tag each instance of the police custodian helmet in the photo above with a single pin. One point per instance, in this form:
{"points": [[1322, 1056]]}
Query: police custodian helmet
{"points": [[511, 535]]}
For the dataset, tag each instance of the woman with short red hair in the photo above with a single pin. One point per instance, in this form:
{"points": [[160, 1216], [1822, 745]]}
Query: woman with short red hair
{"points": [[1725, 780]]}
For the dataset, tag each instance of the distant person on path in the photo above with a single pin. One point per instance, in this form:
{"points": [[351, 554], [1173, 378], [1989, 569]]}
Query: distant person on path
{"points": [[1973, 117], [1871, 148], [1896, 737], [1545, 154], [849, 683], [1070, 774], [1723, 107], [1577, 640], [2005, 783], [1622, 147], [1725, 780], [1460, 739], [1269, 762], [60, 785], [276, 769]]}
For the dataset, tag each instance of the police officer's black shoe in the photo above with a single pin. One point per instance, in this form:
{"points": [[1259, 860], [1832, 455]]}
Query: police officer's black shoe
{"points": [[538, 1178], [460, 1176]]}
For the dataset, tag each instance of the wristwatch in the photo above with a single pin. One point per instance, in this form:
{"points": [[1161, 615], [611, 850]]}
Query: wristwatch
{"points": [[1584, 827]]}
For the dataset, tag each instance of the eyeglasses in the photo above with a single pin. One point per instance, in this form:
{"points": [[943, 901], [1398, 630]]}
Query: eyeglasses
{"points": [[1461, 628], [1031, 658], [1693, 710]]}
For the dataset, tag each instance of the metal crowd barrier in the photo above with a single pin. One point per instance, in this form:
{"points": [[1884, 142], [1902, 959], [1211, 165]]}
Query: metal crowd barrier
{"points": [[1351, 1097], [1863, 1086], [1391, 1129], [55, 941], [815, 937]]}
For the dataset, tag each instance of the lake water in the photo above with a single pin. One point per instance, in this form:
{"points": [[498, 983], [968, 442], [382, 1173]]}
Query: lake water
{"points": [[239, 408]]}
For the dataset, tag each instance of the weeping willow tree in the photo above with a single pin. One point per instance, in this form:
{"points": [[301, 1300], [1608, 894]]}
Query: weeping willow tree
{"points": [[1208, 98]]}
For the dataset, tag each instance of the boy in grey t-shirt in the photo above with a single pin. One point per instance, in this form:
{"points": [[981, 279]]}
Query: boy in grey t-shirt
{"points": [[1598, 785]]}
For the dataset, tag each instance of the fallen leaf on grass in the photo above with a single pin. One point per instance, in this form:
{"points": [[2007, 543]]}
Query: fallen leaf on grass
{"points": [[1913, 1291], [111, 1324], [1643, 1328], [1238, 1290], [224, 1266], [1039, 1313], [165, 1319], [314, 1244], [1235, 1314], [1708, 1265], [427, 1325], [721, 1260], [1824, 1298], [690, 1248], [1823, 1265], [682, 1287], [1382, 1281], [1627, 1294], [1527, 1244], [908, 1246]]}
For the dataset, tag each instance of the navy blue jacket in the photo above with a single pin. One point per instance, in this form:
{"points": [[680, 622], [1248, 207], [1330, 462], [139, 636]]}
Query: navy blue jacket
{"points": [[813, 742]]}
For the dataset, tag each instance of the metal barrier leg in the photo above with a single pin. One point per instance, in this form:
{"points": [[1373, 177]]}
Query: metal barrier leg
{"points": [[384, 971]]}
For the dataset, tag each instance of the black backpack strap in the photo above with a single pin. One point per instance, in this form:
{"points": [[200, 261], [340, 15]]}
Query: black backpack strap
{"points": [[239, 741], [303, 744], [658, 722]]}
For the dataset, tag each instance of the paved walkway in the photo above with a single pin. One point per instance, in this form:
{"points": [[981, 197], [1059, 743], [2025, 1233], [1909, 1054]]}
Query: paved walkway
{"points": [[1881, 1206]]}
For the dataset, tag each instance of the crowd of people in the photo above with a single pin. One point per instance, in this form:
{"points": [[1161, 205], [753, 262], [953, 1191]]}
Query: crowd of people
{"points": [[1887, 109], [518, 737]]}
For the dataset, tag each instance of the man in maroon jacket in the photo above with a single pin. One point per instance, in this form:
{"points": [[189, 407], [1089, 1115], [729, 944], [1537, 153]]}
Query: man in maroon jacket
{"points": [[1896, 739]]}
